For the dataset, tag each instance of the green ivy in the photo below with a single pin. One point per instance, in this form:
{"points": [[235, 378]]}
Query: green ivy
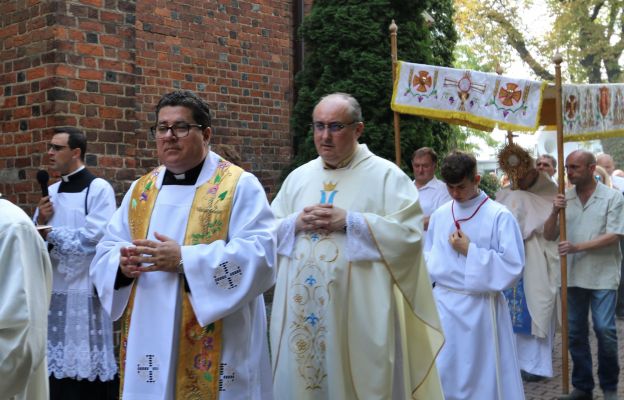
{"points": [[347, 49]]}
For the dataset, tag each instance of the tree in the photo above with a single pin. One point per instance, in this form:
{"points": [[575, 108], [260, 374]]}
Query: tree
{"points": [[588, 33], [348, 50]]}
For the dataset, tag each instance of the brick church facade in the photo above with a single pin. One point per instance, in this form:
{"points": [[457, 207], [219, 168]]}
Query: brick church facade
{"points": [[102, 65]]}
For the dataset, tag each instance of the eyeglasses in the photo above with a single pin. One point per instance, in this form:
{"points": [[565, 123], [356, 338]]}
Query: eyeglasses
{"points": [[332, 127], [56, 147], [178, 130]]}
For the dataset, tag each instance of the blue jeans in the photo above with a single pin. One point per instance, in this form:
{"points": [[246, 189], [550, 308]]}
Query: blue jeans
{"points": [[602, 303]]}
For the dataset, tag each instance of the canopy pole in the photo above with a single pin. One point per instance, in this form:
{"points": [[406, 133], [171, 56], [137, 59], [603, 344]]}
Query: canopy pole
{"points": [[397, 128], [558, 59]]}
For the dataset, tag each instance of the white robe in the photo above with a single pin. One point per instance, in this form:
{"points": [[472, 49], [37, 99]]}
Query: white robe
{"points": [[25, 285], [245, 369], [468, 294], [80, 333], [541, 273], [347, 322]]}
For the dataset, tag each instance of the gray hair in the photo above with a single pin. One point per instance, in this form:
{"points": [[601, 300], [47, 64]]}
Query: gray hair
{"points": [[354, 111]]}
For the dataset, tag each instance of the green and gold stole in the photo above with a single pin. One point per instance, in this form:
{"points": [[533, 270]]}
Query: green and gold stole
{"points": [[197, 374]]}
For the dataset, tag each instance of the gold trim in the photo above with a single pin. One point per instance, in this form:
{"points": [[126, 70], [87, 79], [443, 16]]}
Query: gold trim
{"points": [[208, 221]]}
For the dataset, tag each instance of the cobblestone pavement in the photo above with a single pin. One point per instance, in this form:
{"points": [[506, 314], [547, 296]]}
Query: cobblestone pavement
{"points": [[551, 388]]}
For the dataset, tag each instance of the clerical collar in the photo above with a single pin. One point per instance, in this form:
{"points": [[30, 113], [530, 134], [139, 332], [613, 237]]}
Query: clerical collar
{"points": [[67, 178], [342, 163], [77, 181], [187, 178]]}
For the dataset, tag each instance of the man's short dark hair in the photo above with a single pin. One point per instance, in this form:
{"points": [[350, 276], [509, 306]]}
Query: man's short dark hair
{"points": [[425, 151], [185, 98], [75, 140], [551, 160], [458, 165]]}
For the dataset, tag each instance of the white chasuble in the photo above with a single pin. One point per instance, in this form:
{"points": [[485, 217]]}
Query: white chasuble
{"points": [[364, 329], [478, 360], [25, 288], [226, 279]]}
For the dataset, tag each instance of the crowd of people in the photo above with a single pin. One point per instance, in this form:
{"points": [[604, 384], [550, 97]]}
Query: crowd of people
{"points": [[385, 288]]}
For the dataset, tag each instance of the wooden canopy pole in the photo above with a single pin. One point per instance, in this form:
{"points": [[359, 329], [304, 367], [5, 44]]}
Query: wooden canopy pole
{"points": [[397, 128], [558, 59]]}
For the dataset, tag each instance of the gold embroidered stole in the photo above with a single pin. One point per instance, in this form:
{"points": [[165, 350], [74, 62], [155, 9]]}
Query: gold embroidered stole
{"points": [[197, 374]]}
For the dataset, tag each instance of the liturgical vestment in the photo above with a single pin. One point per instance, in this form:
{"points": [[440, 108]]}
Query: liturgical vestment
{"points": [[347, 322], [479, 359], [533, 305], [25, 288], [224, 281]]}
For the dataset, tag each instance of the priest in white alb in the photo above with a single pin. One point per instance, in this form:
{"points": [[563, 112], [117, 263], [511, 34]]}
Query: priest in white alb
{"points": [[353, 315], [474, 251], [25, 289], [184, 262], [533, 300]]}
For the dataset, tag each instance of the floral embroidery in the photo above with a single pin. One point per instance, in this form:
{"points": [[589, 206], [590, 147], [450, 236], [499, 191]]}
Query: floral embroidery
{"points": [[308, 307]]}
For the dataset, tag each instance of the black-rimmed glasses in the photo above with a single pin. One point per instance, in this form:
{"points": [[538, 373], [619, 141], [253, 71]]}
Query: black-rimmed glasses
{"points": [[179, 130]]}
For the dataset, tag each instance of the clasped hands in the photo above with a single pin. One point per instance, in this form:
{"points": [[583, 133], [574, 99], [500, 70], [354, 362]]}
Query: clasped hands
{"points": [[322, 218], [164, 254], [459, 241]]}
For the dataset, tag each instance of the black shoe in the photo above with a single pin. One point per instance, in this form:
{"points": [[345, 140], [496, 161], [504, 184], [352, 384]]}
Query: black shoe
{"points": [[576, 395], [529, 377]]}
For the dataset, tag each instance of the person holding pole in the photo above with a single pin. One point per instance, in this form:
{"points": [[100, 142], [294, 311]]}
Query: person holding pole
{"points": [[595, 225]]}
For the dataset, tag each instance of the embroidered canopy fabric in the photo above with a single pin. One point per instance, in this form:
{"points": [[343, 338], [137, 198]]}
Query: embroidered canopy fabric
{"points": [[465, 97], [592, 111]]}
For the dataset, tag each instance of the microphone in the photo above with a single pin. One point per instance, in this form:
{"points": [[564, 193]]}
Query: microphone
{"points": [[43, 177]]}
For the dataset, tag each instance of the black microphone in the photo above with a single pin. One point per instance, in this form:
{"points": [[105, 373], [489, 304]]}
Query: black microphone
{"points": [[43, 177]]}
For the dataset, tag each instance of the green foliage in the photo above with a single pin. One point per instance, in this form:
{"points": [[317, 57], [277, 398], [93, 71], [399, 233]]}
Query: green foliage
{"points": [[588, 33], [347, 46], [489, 184]]}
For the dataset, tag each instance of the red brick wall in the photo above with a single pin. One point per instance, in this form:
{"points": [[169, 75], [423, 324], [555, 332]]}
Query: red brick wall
{"points": [[101, 65]]}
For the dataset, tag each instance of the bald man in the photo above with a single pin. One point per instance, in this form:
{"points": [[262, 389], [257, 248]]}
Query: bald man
{"points": [[595, 224]]}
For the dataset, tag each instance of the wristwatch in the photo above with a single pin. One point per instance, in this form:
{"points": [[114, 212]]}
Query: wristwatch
{"points": [[180, 267]]}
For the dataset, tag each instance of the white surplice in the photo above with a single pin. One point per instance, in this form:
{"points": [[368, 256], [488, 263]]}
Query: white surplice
{"points": [[244, 367], [25, 287], [353, 314], [80, 333], [472, 365]]}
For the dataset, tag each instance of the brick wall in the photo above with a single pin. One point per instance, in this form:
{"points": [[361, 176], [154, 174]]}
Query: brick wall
{"points": [[101, 65]]}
